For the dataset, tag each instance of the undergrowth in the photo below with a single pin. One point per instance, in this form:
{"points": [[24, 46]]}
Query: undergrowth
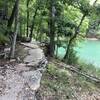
{"points": [[61, 84]]}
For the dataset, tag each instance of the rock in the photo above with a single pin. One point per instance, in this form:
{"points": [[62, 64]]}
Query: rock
{"points": [[12, 60], [34, 56], [18, 60], [33, 79], [32, 64], [22, 67], [7, 50]]}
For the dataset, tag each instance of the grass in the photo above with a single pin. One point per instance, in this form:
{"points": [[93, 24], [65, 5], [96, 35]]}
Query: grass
{"points": [[90, 69], [60, 84]]}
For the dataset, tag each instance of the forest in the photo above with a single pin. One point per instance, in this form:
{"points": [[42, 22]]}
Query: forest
{"points": [[50, 49]]}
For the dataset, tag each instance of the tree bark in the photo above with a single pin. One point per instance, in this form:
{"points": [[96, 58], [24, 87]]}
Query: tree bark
{"points": [[16, 31], [38, 30], [52, 28], [11, 19], [27, 17], [20, 24]]}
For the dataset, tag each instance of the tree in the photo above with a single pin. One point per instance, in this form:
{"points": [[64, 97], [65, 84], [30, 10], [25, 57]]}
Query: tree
{"points": [[85, 9], [12, 52], [33, 20], [52, 10], [13, 14], [94, 20], [27, 4]]}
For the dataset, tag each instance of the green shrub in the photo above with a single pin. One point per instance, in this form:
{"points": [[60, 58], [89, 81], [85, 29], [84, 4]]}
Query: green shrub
{"points": [[89, 68]]}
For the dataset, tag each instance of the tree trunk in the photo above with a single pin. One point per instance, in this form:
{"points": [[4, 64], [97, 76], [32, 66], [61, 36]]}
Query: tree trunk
{"points": [[20, 24], [73, 37], [24, 28], [33, 23], [11, 19], [27, 17], [52, 28], [39, 27], [16, 31]]}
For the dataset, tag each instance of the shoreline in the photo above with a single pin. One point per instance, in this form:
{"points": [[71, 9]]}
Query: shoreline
{"points": [[94, 39]]}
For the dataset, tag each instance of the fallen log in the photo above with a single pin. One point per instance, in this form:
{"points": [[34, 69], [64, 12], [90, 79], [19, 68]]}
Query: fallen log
{"points": [[76, 70]]}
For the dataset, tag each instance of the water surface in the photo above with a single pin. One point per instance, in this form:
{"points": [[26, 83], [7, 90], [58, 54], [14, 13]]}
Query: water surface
{"points": [[87, 51]]}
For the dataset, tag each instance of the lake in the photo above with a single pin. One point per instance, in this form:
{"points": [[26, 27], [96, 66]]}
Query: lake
{"points": [[87, 51]]}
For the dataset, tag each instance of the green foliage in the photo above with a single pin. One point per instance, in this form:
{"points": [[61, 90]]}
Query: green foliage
{"points": [[97, 10], [84, 26], [61, 84], [56, 81], [64, 27], [72, 58], [3, 38], [68, 14], [85, 7], [89, 68], [59, 75]]}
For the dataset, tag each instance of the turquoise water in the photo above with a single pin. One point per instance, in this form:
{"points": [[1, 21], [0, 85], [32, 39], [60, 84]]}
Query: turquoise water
{"points": [[87, 51]]}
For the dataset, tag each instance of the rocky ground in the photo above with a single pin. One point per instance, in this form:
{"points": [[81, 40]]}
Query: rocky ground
{"points": [[20, 80]]}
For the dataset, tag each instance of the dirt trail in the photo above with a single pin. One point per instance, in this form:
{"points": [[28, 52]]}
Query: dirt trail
{"points": [[21, 81]]}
